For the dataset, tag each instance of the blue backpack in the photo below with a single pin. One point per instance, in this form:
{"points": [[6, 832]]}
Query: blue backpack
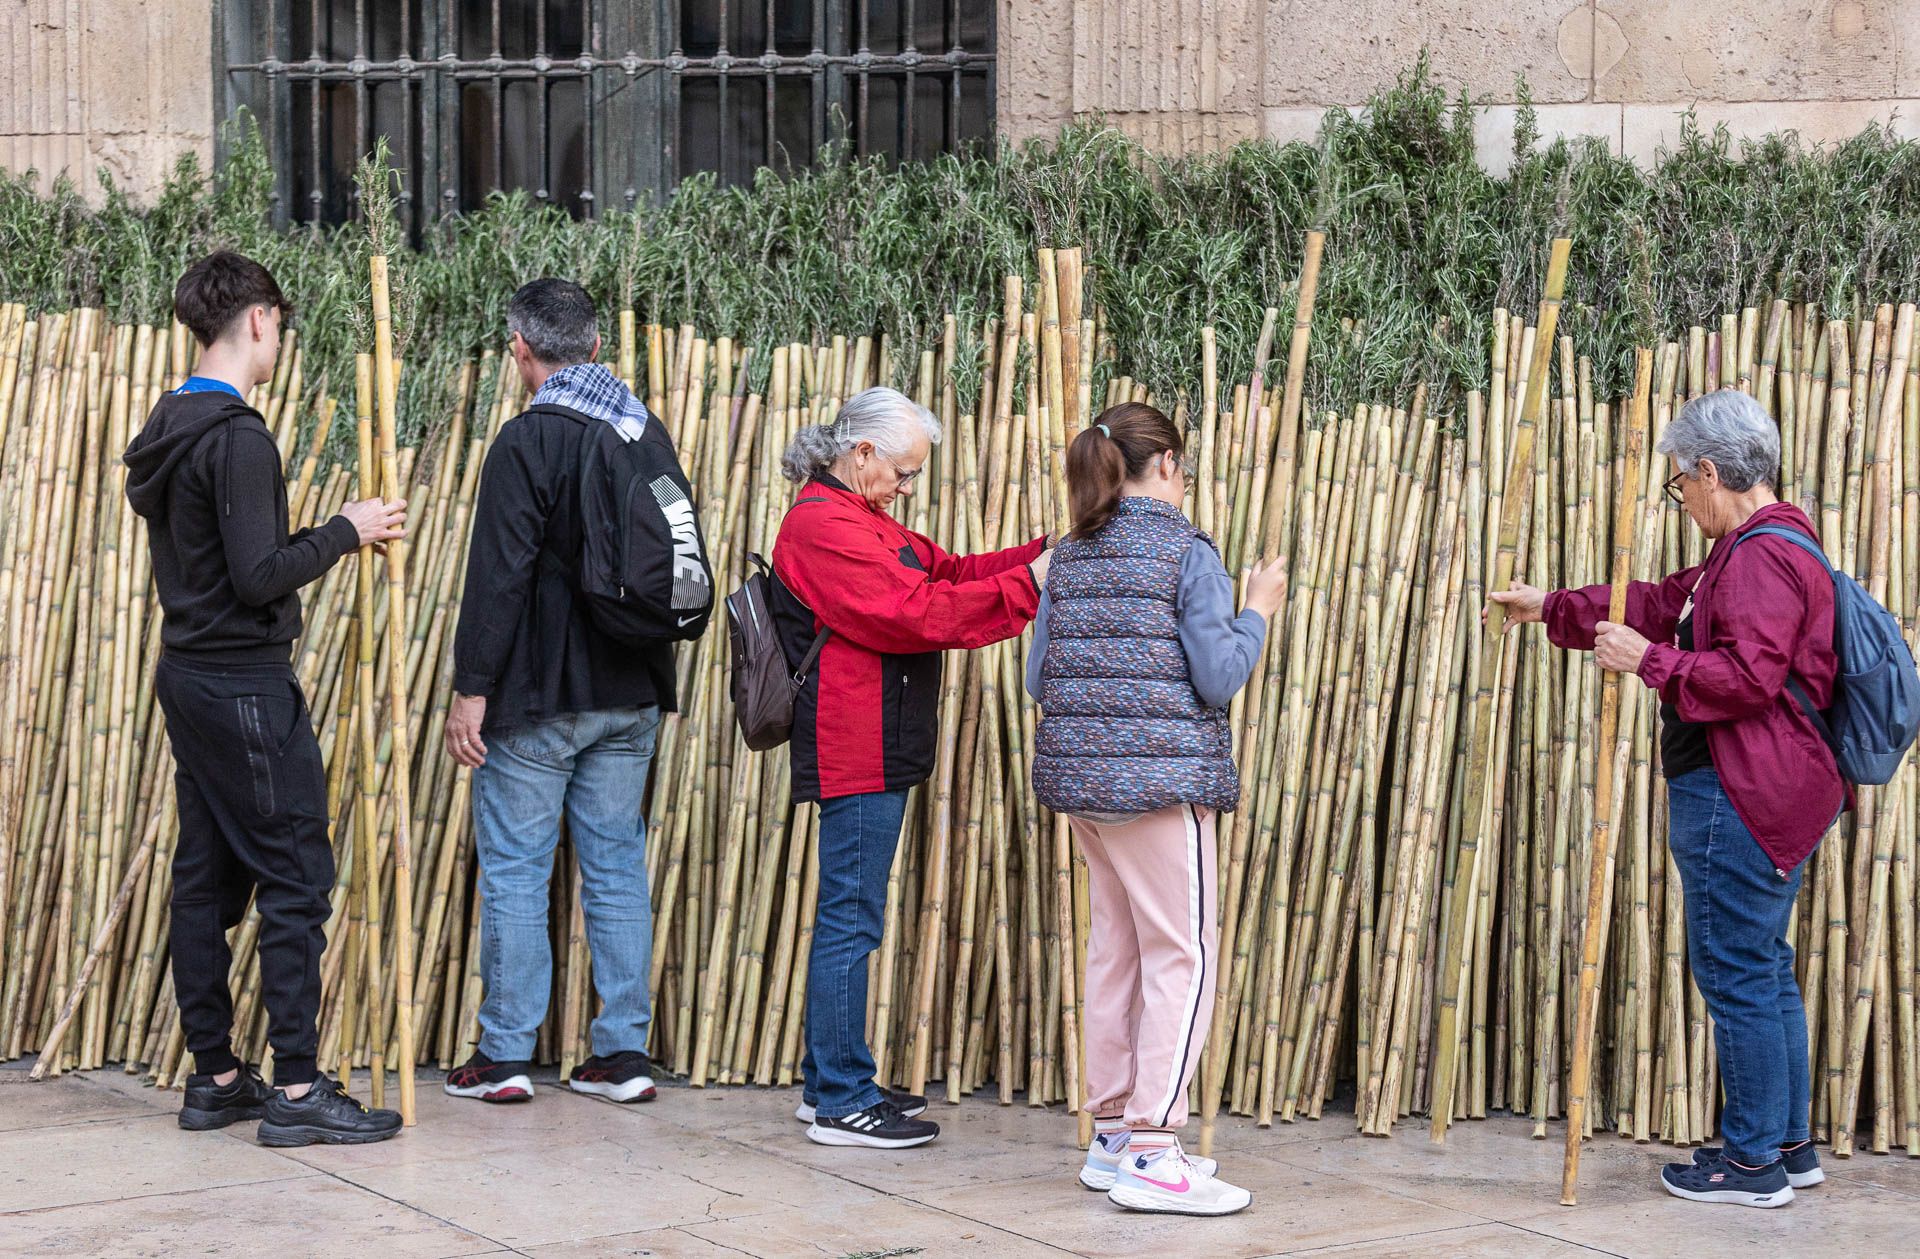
{"points": [[1876, 694]]}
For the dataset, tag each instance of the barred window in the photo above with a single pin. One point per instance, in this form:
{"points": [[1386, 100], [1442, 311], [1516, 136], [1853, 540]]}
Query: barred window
{"points": [[592, 103]]}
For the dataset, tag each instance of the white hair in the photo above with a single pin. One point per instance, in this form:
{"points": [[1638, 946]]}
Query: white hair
{"points": [[1731, 429], [886, 417]]}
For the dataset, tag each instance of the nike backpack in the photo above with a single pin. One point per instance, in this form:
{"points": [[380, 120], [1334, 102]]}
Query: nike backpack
{"points": [[642, 571]]}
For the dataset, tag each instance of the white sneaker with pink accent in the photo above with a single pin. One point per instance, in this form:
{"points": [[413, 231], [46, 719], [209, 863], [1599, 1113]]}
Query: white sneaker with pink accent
{"points": [[1102, 1165], [1172, 1183]]}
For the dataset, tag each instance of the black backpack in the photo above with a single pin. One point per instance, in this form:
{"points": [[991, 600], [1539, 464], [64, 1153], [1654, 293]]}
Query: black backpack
{"points": [[642, 570], [763, 685]]}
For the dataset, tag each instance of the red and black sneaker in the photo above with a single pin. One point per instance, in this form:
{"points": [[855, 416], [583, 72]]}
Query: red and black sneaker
{"points": [[623, 1077], [490, 1081]]}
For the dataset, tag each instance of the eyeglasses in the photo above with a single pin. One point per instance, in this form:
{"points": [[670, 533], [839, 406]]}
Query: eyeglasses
{"points": [[1187, 469], [1672, 489], [902, 476]]}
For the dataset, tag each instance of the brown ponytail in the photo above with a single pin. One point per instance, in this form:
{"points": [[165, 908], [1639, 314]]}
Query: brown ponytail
{"points": [[1117, 447]]}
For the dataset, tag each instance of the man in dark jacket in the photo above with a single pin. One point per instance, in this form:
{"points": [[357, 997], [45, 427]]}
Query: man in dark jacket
{"points": [[205, 473], [553, 715]]}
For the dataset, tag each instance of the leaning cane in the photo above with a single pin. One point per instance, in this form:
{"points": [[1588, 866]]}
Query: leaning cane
{"points": [[1600, 871]]}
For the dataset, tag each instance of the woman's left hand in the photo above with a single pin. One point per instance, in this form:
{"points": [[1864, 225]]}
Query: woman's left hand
{"points": [[1618, 648]]}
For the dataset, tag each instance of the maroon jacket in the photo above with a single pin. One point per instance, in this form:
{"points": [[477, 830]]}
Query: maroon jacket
{"points": [[865, 719], [1760, 612]]}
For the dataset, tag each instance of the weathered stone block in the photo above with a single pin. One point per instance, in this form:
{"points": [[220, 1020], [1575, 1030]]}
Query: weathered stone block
{"points": [[1493, 129], [1648, 129], [1832, 50], [1319, 53]]}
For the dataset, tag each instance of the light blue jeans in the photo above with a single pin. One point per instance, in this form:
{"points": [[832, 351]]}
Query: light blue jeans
{"points": [[593, 768]]}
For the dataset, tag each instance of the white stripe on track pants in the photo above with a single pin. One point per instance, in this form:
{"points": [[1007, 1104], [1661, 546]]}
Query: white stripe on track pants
{"points": [[1152, 953]]}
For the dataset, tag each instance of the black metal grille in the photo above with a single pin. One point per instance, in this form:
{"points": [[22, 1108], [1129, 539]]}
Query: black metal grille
{"points": [[475, 95]]}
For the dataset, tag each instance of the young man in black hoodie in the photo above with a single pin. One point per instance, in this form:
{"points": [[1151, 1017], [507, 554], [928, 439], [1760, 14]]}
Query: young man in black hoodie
{"points": [[206, 475]]}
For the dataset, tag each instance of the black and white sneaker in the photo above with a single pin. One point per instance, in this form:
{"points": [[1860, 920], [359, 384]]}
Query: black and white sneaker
{"points": [[623, 1077], [881, 1126], [1801, 1161], [910, 1104], [324, 1116], [1723, 1180], [209, 1105], [490, 1081]]}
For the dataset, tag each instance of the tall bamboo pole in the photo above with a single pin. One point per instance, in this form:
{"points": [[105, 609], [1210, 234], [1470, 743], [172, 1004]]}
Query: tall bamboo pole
{"points": [[1601, 857]]}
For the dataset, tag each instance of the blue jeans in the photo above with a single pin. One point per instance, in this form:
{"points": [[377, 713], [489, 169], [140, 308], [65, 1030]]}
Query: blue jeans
{"points": [[1738, 908], [593, 767], [857, 837]]}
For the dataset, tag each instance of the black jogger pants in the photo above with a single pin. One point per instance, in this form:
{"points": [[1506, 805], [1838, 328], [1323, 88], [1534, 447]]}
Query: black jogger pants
{"points": [[253, 821]]}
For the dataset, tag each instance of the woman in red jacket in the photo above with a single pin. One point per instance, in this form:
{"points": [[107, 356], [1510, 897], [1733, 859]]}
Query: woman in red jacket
{"points": [[881, 603], [1739, 648]]}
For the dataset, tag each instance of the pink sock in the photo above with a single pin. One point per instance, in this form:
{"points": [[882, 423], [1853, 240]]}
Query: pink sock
{"points": [[1152, 1142], [1111, 1132]]}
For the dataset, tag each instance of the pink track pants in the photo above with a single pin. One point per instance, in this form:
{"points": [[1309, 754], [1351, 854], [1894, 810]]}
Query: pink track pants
{"points": [[1152, 955]]}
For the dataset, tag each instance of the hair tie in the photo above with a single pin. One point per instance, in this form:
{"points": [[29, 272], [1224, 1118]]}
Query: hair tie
{"points": [[1103, 428]]}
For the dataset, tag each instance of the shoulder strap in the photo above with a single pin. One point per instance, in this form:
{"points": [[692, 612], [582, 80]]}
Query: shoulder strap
{"points": [[1812, 548], [819, 640]]}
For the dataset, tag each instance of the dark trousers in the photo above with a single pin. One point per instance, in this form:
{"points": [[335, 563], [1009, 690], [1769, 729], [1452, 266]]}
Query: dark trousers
{"points": [[857, 837], [253, 822]]}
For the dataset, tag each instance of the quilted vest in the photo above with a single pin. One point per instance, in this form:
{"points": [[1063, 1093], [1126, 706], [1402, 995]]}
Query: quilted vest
{"points": [[1122, 729]]}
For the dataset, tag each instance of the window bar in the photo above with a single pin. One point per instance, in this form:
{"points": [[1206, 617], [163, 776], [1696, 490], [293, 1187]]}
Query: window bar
{"points": [[589, 56], [722, 62], [543, 88], [669, 19], [447, 113], [363, 117], [767, 59], [316, 197], [953, 61], [865, 55], [499, 105], [909, 34], [817, 133], [409, 113]]}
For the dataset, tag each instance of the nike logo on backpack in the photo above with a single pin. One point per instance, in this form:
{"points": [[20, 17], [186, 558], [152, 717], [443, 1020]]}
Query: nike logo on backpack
{"points": [[685, 621]]}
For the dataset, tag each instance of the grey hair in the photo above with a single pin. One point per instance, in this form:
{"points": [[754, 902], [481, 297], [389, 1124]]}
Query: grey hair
{"points": [[556, 320], [886, 417], [1731, 429]]}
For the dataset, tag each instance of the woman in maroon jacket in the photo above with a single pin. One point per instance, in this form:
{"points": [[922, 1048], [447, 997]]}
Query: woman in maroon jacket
{"points": [[882, 602], [1738, 648]]}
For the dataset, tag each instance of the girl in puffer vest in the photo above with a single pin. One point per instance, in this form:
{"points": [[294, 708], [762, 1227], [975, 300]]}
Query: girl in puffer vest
{"points": [[1137, 652]]}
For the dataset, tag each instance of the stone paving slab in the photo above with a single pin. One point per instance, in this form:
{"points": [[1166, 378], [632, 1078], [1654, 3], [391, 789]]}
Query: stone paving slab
{"points": [[94, 1165]]}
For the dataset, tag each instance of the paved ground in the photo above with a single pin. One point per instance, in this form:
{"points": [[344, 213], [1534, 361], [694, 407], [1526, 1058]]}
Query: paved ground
{"points": [[96, 1166]]}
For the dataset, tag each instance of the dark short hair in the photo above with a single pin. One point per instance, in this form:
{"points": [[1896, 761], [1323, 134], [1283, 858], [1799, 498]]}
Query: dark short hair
{"points": [[221, 287], [556, 320]]}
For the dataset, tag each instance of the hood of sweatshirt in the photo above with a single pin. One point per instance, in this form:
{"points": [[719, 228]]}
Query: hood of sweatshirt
{"points": [[178, 422]]}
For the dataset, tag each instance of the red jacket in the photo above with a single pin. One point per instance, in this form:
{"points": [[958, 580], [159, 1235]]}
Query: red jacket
{"points": [[1759, 612], [866, 718]]}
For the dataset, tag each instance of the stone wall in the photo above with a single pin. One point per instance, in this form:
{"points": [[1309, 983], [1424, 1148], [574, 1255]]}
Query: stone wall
{"points": [[1189, 74], [127, 85], [120, 85]]}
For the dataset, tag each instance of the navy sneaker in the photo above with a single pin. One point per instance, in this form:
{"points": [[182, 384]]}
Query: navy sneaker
{"points": [[880, 1126], [909, 1104], [209, 1105], [1725, 1181], [1801, 1161]]}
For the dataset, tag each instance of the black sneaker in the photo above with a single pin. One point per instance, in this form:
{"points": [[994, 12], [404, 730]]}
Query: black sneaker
{"points": [[490, 1081], [1801, 1161], [325, 1116], [623, 1077], [1725, 1181], [209, 1105], [881, 1125], [910, 1104]]}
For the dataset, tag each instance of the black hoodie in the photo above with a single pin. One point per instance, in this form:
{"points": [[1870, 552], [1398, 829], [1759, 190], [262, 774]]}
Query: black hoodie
{"points": [[206, 475]]}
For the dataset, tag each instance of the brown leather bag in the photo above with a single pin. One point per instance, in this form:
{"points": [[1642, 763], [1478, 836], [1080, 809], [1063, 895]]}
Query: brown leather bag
{"points": [[763, 685]]}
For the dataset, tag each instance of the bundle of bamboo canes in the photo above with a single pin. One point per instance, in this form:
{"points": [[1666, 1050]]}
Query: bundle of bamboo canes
{"points": [[1405, 888]]}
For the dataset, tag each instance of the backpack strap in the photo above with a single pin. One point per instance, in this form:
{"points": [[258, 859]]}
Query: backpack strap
{"points": [[1812, 548], [819, 640]]}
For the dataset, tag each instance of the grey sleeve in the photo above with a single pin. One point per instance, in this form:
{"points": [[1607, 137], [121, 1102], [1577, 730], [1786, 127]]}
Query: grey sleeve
{"points": [[1038, 651], [1222, 649]]}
